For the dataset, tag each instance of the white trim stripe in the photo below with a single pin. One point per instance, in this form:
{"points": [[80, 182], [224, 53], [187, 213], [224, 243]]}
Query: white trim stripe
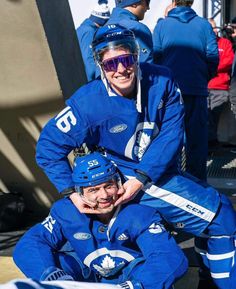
{"points": [[220, 256], [181, 203], [104, 251], [215, 237], [220, 237], [130, 285], [220, 275], [112, 221]]}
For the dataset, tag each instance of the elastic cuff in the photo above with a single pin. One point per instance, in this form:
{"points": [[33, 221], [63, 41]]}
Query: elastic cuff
{"points": [[142, 177], [68, 191]]}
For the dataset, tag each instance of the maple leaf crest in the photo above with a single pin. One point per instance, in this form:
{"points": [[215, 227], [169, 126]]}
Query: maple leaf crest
{"points": [[143, 141], [108, 267]]}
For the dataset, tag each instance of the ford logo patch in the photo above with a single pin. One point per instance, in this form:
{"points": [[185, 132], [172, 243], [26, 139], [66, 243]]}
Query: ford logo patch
{"points": [[118, 128], [82, 236]]}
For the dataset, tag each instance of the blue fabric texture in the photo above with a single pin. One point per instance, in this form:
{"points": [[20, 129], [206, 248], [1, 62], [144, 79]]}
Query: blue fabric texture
{"points": [[85, 33], [142, 33], [191, 51], [125, 3], [135, 237]]}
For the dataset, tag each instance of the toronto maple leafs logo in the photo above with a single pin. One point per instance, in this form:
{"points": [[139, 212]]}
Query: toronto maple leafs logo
{"points": [[156, 228], [108, 267], [143, 141]]}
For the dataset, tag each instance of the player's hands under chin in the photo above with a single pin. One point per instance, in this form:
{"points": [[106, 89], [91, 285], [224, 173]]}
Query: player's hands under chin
{"points": [[131, 189], [82, 205]]}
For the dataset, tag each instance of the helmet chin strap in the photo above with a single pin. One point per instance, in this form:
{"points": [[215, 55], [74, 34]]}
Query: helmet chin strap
{"points": [[138, 99], [106, 82]]}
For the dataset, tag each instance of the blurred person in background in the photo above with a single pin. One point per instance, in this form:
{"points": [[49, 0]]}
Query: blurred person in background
{"points": [[229, 31], [85, 32], [219, 86], [186, 43], [129, 13], [232, 93]]}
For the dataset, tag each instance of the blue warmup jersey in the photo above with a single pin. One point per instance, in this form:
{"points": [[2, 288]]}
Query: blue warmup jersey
{"points": [[149, 141], [134, 233]]}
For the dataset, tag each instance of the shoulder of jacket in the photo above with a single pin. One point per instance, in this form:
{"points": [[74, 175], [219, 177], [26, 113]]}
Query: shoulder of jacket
{"points": [[88, 89], [155, 70]]}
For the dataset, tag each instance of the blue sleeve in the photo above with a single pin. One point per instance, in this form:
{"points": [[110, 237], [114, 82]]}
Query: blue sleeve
{"points": [[58, 138], [232, 94], [212, 53], [85, 37], [164, 260], [164, 150], [157, 47], [33, 253], [144, 38]]}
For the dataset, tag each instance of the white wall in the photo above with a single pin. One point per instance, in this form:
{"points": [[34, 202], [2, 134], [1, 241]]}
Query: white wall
{"points": [[80, 11]]}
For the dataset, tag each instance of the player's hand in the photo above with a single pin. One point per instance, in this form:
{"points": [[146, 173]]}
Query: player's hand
{"points": [[131, 187], [83, 205]]}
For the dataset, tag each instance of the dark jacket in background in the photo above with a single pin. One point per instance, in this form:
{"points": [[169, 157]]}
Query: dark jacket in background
{"points": [[186, 43]]}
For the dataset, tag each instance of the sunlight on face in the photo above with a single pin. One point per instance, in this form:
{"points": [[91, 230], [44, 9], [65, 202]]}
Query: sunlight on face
{"points": [[123, 80], [103, 196]]}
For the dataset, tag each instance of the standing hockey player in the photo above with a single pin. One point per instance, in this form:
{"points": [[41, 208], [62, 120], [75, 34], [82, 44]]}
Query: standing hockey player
{"points": [[135, 112], [126, 245]]}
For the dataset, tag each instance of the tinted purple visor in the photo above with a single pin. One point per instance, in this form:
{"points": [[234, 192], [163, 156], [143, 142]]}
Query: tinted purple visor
{"points": [[126, 60]]}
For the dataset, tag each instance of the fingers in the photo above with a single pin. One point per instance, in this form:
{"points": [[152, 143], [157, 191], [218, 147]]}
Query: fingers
{"points": [[119, 201], [126, 197], [88, 202], [128, 191], [121, 191], [83, 205]]}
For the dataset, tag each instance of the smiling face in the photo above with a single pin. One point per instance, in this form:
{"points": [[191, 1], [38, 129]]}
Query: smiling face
{"points": [[122, 80], [102, 197]]}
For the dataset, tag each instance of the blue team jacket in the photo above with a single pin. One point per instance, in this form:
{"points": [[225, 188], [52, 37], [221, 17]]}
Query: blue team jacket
{"points": [[186, 43], [142, 33], [85, 33], [134, 232]]}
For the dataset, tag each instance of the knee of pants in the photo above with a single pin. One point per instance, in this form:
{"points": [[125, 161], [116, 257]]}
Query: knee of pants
{"points": [[201, 250], [225, 221], [217, 252]]}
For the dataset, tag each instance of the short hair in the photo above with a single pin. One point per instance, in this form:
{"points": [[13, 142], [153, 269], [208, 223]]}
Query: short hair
{"points": [[184, 2]]}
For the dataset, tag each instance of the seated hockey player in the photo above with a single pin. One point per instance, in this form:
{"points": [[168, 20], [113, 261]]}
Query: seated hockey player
{"points": [[125, 245]]}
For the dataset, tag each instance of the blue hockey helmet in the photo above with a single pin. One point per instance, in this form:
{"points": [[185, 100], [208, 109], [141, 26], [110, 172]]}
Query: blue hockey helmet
{"points": [[93, 169], [113, 36]]}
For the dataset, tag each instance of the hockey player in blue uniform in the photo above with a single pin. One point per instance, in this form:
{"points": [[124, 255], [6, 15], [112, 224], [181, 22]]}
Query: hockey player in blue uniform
{"points": [[135, 112], [125, 245]]}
